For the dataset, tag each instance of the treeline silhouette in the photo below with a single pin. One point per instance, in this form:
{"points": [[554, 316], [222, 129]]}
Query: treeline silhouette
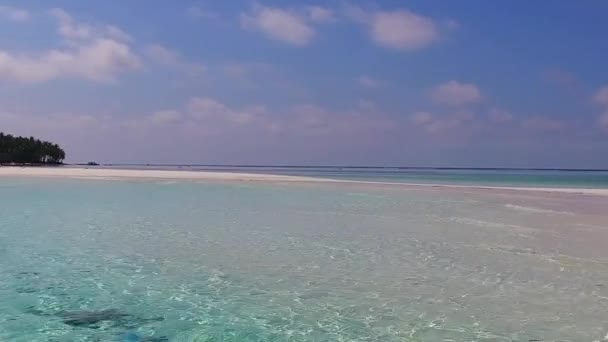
{"points": [[22, 150]]}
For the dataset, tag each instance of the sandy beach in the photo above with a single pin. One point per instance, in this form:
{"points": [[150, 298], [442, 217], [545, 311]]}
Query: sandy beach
{"points": [[73, 172], [94, 173]]}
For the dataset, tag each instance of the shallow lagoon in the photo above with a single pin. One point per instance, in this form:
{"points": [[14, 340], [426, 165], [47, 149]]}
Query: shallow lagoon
{"points": [[253, 261]]}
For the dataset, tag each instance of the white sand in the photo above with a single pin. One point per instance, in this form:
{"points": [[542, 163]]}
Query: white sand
{"points": [[94, 173], [584, 191]]}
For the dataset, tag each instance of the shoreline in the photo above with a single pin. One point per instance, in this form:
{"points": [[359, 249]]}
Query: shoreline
{"points": [[118, 174]]}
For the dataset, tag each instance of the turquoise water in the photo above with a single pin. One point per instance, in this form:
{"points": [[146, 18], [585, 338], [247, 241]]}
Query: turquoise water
{"points": [[491, 177], [101, 260]]}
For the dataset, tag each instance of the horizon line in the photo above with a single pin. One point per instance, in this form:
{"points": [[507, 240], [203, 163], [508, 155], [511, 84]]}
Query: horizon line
{"points": [[350, 167]]}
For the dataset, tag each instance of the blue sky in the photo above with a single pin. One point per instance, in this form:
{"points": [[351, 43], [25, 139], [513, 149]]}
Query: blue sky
{"points": [[473, 83]]}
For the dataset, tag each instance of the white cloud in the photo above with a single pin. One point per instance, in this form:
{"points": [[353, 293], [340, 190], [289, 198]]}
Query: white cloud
{"points": [[165, 117], [454, 93], [91, 53], [464, 115], [403, 30], [69, 29], [601, 96], [165, 56], [498, 115], [441, 126], [118, 34], [310, 116], [204, 107], [208, 109], [399, 29], [161, 54], [370, 82], [422, 118], [457, 124], [202, 127], [320, 14], [300, 120], [99, 60], [356, 13], [14, 13], [543, 124], [315, 120], [53, 126], [603, 120], [278, 24]]}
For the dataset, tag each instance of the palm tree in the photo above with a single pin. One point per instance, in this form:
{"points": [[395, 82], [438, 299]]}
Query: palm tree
{"points": [[29, 150]]}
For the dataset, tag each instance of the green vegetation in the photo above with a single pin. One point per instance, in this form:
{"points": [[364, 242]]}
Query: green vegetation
{"points": [[21, 150]]}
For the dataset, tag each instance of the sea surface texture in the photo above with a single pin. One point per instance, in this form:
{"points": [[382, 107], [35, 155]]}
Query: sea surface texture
{"points": [[554, 178], [115, 260]]}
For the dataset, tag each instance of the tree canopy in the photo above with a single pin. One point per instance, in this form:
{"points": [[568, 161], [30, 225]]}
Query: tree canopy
{"points": [[24, 150]]}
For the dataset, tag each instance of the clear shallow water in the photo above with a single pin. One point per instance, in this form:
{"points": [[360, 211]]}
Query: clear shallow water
{"points": [[186, 261], [488, 177]]}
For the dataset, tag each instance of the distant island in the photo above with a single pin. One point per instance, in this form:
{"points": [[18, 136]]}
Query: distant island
{"points": [[29, 151]]}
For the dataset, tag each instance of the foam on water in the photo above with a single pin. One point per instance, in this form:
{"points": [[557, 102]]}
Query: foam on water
{"points": [[536, 210], [109, 260]]}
